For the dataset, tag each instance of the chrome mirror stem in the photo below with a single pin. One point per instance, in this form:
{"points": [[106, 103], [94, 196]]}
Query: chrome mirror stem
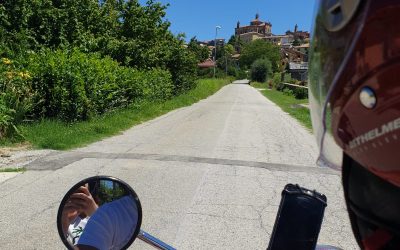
{"points": [[149, 239]]}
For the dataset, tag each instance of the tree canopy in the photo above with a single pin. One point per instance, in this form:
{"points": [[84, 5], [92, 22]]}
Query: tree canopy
{"points": [[201, 52], [134, 35], [259, 49]]}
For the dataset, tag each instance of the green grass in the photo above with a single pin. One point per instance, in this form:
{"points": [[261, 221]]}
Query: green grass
{"points": [[290, 104], [9, 170], [52, 134], [259, 85]]}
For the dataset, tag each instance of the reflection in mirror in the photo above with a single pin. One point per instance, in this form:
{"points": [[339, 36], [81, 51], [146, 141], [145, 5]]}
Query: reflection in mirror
{"points": [[99, 213]]}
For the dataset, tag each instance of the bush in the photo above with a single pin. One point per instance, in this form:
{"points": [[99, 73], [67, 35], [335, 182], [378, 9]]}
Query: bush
{"points": [[205, 72], [232, 71], [134, 34], [287, 91], [16, 95], [276, 79], [182, 64], [241, 74], [75, 86], [209, 73], [280, 86], [261, 69], [297, 92], [6, 119], [300, 93], [287, 78]]}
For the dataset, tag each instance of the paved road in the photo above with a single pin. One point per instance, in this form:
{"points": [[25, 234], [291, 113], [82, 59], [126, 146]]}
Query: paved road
{"points": [[209, 176]]}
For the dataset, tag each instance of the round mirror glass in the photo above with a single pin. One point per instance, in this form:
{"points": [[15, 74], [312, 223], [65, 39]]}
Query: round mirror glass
{"points": [[100, 212]]}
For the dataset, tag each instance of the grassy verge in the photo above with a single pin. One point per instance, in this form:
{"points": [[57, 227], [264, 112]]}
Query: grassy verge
{"points": [[58, 135], [259, 85], [290, 105], [10, 170]]}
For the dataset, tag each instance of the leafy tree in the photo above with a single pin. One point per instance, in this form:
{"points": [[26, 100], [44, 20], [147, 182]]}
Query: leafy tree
{"points": [[259, 49], [182, 64], [134, 35], [230, 50], [224, 61], [232, 40], [201, 52], [261, 69], [236, 43]]}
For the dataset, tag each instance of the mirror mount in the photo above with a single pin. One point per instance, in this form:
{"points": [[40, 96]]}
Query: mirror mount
{"points": [[153, 241]]}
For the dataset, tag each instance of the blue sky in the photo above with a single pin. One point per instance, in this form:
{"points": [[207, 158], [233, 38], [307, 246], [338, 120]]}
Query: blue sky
{"points": [[199, 18]]}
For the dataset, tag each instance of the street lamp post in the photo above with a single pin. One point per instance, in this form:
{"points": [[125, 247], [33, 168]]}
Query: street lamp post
{"points": [[215, 47]]}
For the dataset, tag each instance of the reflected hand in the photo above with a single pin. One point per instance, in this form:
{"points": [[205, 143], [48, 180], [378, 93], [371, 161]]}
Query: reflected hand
{"points": [[83, 199]]}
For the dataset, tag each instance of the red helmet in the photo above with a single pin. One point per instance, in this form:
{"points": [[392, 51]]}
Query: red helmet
{"points": [[354, 92]]}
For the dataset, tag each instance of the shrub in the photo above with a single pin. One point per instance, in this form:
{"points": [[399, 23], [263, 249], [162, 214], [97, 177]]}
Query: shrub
{"points": [[6, 119], [209, 73], [297, 92], [16, 95], [276, 79], [300, 93], [232, 71], [287, 91], [287, 77], [261, 69], [75, 86], [205, 72], [241, 74], [294, 81], [182, 64]]}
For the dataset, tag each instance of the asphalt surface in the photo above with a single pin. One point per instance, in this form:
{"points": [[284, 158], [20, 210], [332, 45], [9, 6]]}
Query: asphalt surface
{"points": [[209, 176]]}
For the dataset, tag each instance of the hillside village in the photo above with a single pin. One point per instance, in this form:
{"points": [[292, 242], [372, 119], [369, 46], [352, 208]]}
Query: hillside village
{"points": [[293, 46]]}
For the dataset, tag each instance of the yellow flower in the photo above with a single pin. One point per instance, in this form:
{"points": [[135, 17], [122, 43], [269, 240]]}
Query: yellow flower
{"points": [[6, 61], [26, 75], [9, 75]]}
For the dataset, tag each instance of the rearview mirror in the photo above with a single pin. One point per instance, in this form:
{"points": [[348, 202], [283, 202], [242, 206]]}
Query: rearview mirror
{"points": [[99, 212]]}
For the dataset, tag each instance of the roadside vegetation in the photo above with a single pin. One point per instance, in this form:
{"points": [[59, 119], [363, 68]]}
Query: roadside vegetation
{"points": [[74, 64], [291, 105], [73, 72], [291, 99]]}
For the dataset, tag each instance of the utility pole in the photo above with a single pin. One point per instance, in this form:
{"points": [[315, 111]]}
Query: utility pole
{"points": [[215, 47]]}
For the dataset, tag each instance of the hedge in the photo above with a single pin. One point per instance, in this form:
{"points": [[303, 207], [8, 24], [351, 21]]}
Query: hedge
{"points": [[72, 86]]}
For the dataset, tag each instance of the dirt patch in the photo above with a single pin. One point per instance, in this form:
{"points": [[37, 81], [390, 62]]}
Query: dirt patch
{"points": [[19, 155], [7, 151]]}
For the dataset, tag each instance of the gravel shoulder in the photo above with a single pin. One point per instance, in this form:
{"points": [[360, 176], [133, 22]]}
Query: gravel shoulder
{"points": [[20, 156]]}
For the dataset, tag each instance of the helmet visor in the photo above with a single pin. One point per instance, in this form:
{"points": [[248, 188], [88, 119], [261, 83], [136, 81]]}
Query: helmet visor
{"points": [[337, 27]]}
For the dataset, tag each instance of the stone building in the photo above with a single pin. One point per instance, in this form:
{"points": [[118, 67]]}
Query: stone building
{"points": [[256, 30], [299, 34], [280, 40]]}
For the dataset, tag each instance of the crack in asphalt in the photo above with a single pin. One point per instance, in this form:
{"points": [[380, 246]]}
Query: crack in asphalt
{"points": [[59, 160]]}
